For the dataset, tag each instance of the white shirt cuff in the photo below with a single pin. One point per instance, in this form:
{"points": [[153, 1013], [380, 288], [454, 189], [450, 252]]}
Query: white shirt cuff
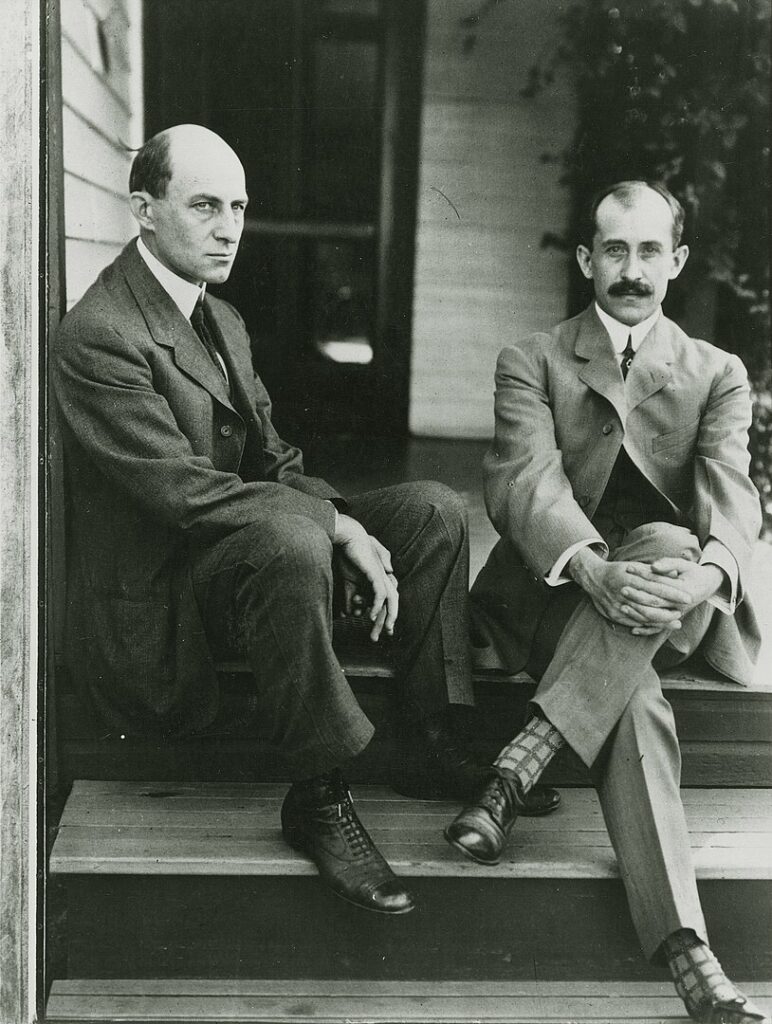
{"points": [[716, 553], [555, 577]]}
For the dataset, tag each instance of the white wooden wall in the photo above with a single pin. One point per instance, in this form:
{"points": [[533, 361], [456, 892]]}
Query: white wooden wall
{"points": [[102, 119], [481, 277]]}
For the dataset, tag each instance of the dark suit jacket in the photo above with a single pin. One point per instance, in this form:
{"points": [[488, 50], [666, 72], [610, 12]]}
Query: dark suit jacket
{"points": [[563, 412], [159, 460]]}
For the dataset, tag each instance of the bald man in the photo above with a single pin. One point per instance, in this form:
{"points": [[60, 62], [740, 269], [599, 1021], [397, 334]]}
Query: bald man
{"points": [[194, 531], [618, 481]]}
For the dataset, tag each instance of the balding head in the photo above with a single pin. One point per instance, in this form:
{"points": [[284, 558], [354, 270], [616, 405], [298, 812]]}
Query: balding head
{"points": [[180, 146], [628, 194], [188, 196]]}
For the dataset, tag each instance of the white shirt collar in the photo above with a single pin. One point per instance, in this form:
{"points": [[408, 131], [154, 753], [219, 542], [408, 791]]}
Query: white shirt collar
{"points": [[184, 294], [619, 333]]}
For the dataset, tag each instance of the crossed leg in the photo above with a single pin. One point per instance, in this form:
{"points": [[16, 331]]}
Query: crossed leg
{"points": [[600, 693], [595, 665]]}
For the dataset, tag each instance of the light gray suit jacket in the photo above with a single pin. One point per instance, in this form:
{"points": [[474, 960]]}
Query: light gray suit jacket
{"points": [[563, 412]]}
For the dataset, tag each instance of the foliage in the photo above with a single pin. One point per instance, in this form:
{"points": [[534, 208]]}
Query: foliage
{"points": [[678, 91]]}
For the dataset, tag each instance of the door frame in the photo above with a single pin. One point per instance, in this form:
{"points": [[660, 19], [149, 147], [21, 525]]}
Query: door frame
{"points": [[20, 318]]}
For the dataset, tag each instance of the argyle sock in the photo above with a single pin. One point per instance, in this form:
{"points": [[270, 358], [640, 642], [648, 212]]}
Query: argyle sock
{"points": [[700, 981], [531, 751]]}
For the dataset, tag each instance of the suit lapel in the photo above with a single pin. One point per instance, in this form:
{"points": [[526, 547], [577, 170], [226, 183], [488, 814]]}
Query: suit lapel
{"points": [[241, 377], [169, 327], [650, 370], [240, 371], [601, 371]]}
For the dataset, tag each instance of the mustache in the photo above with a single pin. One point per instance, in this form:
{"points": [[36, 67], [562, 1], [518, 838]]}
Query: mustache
{"points": [[630, 288]]}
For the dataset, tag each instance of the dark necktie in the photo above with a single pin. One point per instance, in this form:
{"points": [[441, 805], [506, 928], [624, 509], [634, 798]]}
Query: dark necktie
{"points": [[627, 356], [200, 326]]}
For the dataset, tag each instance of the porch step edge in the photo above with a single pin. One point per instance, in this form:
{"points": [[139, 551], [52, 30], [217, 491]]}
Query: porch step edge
{"points": [[233, 829], [376, 1002]]}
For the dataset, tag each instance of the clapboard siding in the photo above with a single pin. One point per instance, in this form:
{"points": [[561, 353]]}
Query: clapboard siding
{"points": [[81, 26], [101, 121], [92, 212], [84, 262], [108, 108], [92, 153], [486, 197]]}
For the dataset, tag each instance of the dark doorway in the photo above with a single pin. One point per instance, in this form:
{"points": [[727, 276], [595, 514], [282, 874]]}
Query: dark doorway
{"points": [[321, 99]]}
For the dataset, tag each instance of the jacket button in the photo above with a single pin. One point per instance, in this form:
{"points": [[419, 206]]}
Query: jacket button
{"points": [[584, 500], [226, 430], [608, 428]]}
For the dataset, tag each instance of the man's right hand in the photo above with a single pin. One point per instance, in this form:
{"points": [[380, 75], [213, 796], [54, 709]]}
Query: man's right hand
{"points": [[368, 558], [605, 583]]}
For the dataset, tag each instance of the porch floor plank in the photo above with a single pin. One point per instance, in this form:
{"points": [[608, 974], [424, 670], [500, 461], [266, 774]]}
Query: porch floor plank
{"points": [[250, 1002], [213, 829]]}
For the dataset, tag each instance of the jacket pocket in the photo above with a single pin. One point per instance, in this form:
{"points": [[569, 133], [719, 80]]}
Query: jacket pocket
{"points": [[682, 435]]}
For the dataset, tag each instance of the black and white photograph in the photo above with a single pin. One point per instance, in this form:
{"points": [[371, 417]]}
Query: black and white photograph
{"points": [[386, 516]]}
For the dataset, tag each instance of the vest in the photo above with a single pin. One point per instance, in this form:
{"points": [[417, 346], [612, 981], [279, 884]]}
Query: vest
{"points": [[628, 501]]}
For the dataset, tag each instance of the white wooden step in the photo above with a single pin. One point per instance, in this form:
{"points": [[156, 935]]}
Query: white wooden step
{"points": [[296, 1001], [233, 829]]}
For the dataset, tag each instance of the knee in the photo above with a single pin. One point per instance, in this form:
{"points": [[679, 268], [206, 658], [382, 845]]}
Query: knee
{"points": [[651, 541], [297, 546], [445, 503], [304, 546]]}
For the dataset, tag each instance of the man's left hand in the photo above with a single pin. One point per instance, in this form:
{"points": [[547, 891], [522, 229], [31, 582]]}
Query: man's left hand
{"points": [[690, 583], [368, 576]]}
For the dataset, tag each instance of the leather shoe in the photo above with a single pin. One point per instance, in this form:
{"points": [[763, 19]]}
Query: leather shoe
{"points": [[739, 1010], [449, 772], [480, 831], [539, 801], [318, 818], [440, 769]]}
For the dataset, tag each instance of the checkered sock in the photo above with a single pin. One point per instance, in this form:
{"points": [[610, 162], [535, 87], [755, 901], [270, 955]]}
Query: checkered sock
{"points": [[531, 751], [699, 978]]}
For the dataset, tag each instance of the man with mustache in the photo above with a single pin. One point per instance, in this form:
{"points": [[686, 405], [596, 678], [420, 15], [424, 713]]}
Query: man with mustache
{"points": [[618, 482]]}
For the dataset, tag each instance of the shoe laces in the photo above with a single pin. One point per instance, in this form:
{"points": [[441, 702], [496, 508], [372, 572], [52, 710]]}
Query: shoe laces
{"points": [[335, 799], [498, 796], [357, 837]]}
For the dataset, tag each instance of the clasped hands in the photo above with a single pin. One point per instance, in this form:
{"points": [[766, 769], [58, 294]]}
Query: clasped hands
{"points": [[647, 598], [369, 583]]}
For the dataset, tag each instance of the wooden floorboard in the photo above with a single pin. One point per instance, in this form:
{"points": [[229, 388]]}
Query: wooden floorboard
{"points": [[141, 828], [372, 1001]]}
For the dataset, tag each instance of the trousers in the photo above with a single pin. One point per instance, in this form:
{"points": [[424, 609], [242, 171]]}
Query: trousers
{"points": [[598, 685], [266, 593]]}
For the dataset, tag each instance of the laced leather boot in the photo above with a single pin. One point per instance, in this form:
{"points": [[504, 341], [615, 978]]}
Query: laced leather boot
{"points": [[480, 831], [318, 818]]}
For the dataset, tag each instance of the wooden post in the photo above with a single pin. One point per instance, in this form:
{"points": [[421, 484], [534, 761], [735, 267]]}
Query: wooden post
{"points": [[19, 257]]}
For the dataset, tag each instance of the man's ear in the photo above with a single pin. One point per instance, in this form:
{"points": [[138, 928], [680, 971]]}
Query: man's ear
{"points": [[584, 259], [142, 208], [680, 256]]}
